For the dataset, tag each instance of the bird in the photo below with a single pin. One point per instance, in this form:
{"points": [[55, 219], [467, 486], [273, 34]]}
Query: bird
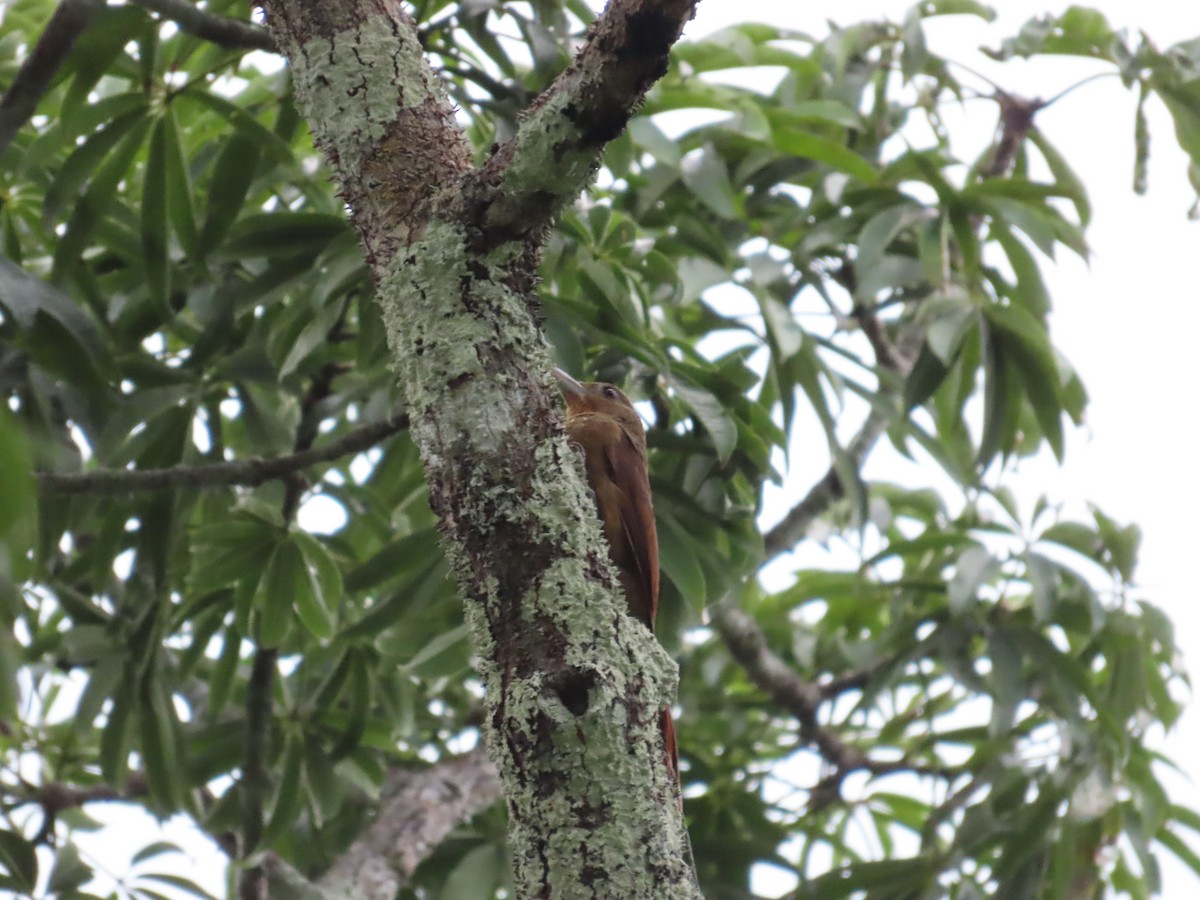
{"points": [[602, 421]]}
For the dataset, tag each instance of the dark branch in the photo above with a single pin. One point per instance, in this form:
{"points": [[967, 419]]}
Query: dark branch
{"points": [[221, 30], [887, 356], [748, 646], [253, 883], [246, 472], [1016, 118], [55, 797], [553, 155], [856, 680], [33, 79], [821, 496]]}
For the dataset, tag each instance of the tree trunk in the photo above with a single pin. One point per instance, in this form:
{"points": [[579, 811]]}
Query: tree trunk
{"points": [[573, 684]]}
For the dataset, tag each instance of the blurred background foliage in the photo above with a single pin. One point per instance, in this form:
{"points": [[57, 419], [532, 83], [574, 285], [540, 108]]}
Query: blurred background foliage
{"points": [[785, 253]]}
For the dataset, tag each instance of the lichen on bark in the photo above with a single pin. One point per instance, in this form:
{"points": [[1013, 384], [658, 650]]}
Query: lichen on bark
{"points": [[574, 685]]}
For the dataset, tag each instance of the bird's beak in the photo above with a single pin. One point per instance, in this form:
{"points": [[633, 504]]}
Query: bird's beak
{"points": [[568, 385]]}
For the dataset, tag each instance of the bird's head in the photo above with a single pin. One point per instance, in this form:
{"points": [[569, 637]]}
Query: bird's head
{"points": [[597, 398]]}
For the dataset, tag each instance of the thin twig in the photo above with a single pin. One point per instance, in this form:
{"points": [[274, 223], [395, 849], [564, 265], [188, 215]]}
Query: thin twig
{"points": [[221, 30], [33, 79], [246, 472], [794, 526], [748, 646]]}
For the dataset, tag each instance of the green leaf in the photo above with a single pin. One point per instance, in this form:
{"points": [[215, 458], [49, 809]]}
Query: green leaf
{"points": [[999, 401], [313, 336], [721, 427], [677, 556], [1043, 578], [477, 874], [832, 112], [95, 204], [655, 141], [948, 316], [176, 881], [406, 557], [17, 499], [228, 552], [180, 202], [1025, 340], [892, 877], [155, 246], [288, 792], [1030, 291], [247, 126], [115, 739], [286, 576], [1122, 543], [930, 8], [1044, 225], [19, 860], [359, 691], [435, 648], [282, 234], [927, 375], [704, 172], [881, 229], [324, 587], [974, 568], [227, 190], [85, 162], [831, 153], [1182, 851], [69, 873], [159, 751], [44, 150], [157, 848], [786, 336], [1065, 179], [221, 681]]}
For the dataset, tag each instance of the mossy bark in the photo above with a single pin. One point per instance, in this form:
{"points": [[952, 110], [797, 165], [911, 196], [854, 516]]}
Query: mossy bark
{"points": [[574, 685]]}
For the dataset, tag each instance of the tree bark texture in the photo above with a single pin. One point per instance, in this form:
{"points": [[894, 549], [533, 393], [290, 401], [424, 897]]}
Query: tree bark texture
{"points": [[574, 685]]}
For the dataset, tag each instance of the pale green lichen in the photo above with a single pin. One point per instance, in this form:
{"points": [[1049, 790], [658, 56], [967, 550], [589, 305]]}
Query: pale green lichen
{"points": [[549, 133], [455, 316], [352, 86]]}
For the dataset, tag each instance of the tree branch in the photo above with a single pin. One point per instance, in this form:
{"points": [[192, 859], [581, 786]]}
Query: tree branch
{"points": [[748, 646], [573, 686], [422, 809], [246, 472], [553, 156], [221, 30], [33, 79], [252, 885], [55, 797], [795, 524]]}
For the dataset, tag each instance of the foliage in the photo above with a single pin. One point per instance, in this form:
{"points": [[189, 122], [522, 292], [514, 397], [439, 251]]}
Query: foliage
{"points": [[179, 287]]}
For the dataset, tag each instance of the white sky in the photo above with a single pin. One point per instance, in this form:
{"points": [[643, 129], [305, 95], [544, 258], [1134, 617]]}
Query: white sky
{"points": [[1130, 324]]}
